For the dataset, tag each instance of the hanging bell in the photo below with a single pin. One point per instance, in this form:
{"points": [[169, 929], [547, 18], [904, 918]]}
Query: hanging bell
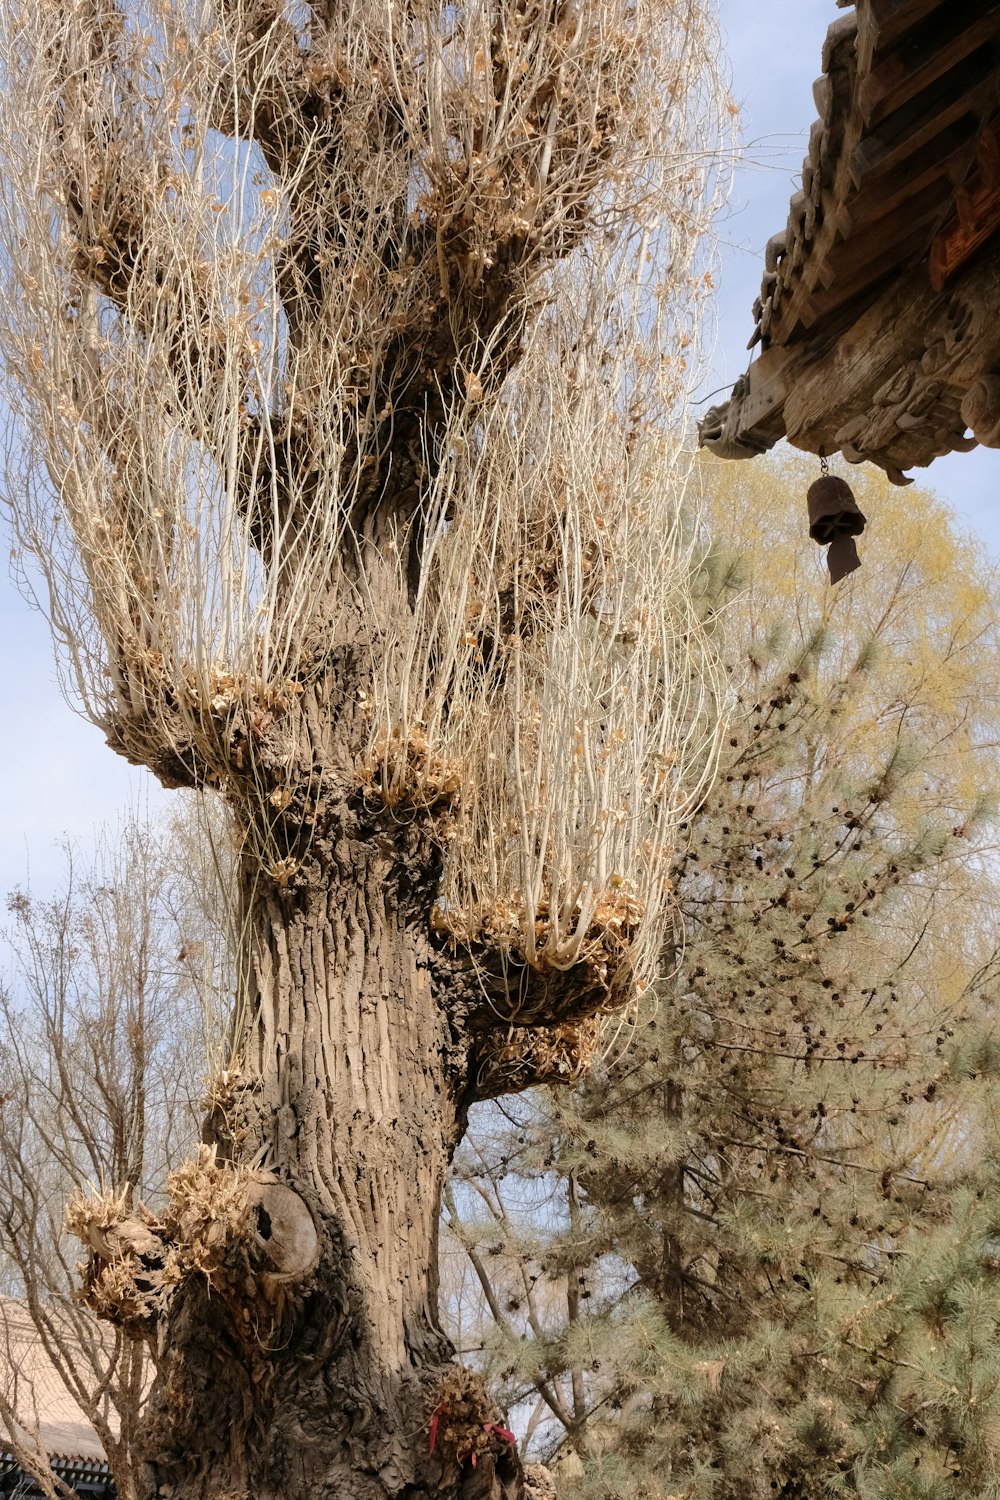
{"points": [[834, 521]]}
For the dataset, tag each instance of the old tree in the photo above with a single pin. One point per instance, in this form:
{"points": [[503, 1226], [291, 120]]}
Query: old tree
{"points": [[346, 345]]}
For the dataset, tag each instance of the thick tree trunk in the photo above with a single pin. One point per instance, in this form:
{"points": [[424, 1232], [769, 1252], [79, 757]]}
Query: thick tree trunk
{"points": [[290, 1285], [351, 1095]]}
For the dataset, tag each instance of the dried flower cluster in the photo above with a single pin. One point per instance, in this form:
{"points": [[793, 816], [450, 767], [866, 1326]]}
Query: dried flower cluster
{"points": [[548, 1054], [463, 1424]]}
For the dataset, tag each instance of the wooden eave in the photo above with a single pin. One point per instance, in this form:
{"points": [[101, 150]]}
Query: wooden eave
{"points": [[879, 310]]}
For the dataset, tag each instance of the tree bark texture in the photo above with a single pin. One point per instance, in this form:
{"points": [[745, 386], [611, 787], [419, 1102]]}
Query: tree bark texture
{"points": [[353, 1094], [361, 1035]]}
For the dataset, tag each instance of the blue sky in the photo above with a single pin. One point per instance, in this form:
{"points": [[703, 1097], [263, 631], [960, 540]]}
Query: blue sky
{"points": [[59, 777]]}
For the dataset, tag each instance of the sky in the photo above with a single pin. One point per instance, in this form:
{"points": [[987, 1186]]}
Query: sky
{"points": [[59, 778]]}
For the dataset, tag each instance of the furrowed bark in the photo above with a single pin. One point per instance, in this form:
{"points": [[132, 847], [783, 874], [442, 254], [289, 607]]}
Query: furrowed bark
{"points": [[294, 1303], [354, 1081]]}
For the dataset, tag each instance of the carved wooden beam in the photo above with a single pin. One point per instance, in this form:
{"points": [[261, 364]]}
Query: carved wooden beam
{"points": [[976, 217], [878, 304], [934, 48], [893, 18], [968, 88], [890, 389]]}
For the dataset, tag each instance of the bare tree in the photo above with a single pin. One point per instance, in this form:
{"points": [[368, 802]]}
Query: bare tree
{"points": [[102, 1057], [350, 345]]}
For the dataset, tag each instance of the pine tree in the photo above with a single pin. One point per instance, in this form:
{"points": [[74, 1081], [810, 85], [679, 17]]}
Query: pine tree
{"points": [[755, 1253]]}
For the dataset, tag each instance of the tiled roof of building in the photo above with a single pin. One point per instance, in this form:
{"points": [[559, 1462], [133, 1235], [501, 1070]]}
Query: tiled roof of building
{"points": [[36, 1390], [877, 313]]}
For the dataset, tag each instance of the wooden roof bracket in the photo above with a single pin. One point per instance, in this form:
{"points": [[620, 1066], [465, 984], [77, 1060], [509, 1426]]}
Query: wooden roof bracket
{"points": [[751, 421]]}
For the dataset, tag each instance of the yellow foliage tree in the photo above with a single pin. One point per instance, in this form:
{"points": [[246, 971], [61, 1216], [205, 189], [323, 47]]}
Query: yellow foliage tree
{"points": [[769, 1265]]}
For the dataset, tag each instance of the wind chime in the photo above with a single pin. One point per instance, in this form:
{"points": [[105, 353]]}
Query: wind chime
{"points": [[834, 521]]}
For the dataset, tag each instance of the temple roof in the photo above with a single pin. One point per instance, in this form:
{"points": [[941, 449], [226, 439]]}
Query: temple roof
{"points": [[31, 1383], [877, 330]]}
